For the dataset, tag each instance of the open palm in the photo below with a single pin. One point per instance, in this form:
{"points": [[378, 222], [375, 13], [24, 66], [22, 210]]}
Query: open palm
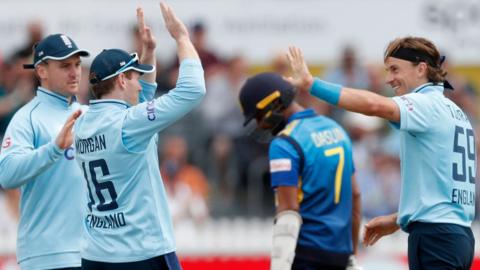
{"points": [[301, 77]]}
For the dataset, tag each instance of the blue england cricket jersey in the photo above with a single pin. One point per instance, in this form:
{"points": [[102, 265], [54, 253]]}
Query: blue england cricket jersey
{"points": [[49, 231], [127, 217], [315, 154], [438, 159]]}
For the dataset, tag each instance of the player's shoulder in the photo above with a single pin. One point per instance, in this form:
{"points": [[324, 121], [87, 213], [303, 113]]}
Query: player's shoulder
{"points": [[25, 113]]}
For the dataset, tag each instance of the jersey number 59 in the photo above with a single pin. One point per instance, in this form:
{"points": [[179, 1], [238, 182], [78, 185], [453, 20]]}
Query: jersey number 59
{"points": [[466, 152]]}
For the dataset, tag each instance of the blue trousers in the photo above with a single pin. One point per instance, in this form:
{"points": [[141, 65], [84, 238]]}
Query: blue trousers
{"points": [[440, 246], [167, 261]]}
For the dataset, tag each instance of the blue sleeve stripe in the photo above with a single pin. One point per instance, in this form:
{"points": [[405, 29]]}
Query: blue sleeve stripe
{"points": [[31, 124]]}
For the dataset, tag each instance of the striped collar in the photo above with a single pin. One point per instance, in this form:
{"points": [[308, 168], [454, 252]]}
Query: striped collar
{"points": [[428, 87], [101, 103], [54, 98], [303, 114]]}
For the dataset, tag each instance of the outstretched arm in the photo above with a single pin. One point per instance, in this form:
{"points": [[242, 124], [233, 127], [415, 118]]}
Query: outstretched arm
{"points": [[179, 32], [350, 99], [20, 162]]}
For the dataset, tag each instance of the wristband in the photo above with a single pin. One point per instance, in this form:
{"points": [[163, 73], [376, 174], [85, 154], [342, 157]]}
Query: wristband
{"points": [[330, 92]]}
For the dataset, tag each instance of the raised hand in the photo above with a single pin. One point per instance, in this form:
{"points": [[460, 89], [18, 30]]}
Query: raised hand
{"points": [[65, 137], [379, 227], [148, 40], [174, 25], [301, 77]]}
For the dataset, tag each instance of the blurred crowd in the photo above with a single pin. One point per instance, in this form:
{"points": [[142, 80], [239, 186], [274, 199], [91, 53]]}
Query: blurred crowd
{"points": [[209, 166]]}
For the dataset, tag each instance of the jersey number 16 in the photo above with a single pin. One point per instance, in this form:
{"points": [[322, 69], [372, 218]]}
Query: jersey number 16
{"points": [[100, 186]]}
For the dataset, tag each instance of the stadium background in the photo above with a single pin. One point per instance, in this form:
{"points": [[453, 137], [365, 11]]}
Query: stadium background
{"points": [[217, 178]]}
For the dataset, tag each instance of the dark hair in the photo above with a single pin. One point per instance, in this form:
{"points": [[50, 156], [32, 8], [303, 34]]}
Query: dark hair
{"points": [[435, 73], [104, 87]]}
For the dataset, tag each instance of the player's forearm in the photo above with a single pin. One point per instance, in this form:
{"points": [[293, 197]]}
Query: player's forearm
{"points": [[149, 58], [19, 169], [186, 50], [362, 101], [355, 100], [148, 91]]}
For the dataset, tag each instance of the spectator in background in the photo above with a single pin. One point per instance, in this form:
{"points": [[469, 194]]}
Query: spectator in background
{"points": [[373, 166], [220, 108], [223, 119], [35, 34], [16, 86], [465, 95], [210, 61], [348, 72], [279, 64], [186, 185]]}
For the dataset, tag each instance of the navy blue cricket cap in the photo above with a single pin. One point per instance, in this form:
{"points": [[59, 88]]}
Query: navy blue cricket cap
{"points": [[110, 63], [261, 90], [54, 47]]}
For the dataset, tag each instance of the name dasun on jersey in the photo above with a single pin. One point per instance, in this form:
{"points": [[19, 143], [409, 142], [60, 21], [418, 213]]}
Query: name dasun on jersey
{"points": [[90, 145], [327, 137], [111, 221]]}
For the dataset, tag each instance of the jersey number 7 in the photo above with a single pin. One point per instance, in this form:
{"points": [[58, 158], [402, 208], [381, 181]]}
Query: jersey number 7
{"points": [[339, 173]]}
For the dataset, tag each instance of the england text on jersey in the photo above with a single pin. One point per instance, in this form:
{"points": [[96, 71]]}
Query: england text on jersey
{"points": [[112, 221], [464, 197]]}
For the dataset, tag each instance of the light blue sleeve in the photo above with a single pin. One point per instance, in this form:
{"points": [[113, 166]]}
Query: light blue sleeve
{"points": [[416, 112], [145, 119], [148, 91], [20, 162]]}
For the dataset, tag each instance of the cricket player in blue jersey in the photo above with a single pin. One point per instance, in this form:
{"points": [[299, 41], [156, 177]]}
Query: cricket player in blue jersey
{"points": [[127, 221], [312, 172], [37, 157], [437, 201]]}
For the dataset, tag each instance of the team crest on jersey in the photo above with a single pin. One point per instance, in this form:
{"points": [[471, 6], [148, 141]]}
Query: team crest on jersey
{"points": [[280, 165], [408, 103], [7, 142]]}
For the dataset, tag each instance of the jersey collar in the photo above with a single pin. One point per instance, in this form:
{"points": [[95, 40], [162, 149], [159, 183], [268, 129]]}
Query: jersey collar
{"points": [[303, 114], [428, 87], [53, 98], [101, 103]]}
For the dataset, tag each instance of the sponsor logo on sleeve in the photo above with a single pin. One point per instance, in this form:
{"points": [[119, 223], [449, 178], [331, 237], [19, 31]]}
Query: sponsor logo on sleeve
{"points": [[69, 153], [408, 103], [7, 142], [151, 110], [280, 165]]}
